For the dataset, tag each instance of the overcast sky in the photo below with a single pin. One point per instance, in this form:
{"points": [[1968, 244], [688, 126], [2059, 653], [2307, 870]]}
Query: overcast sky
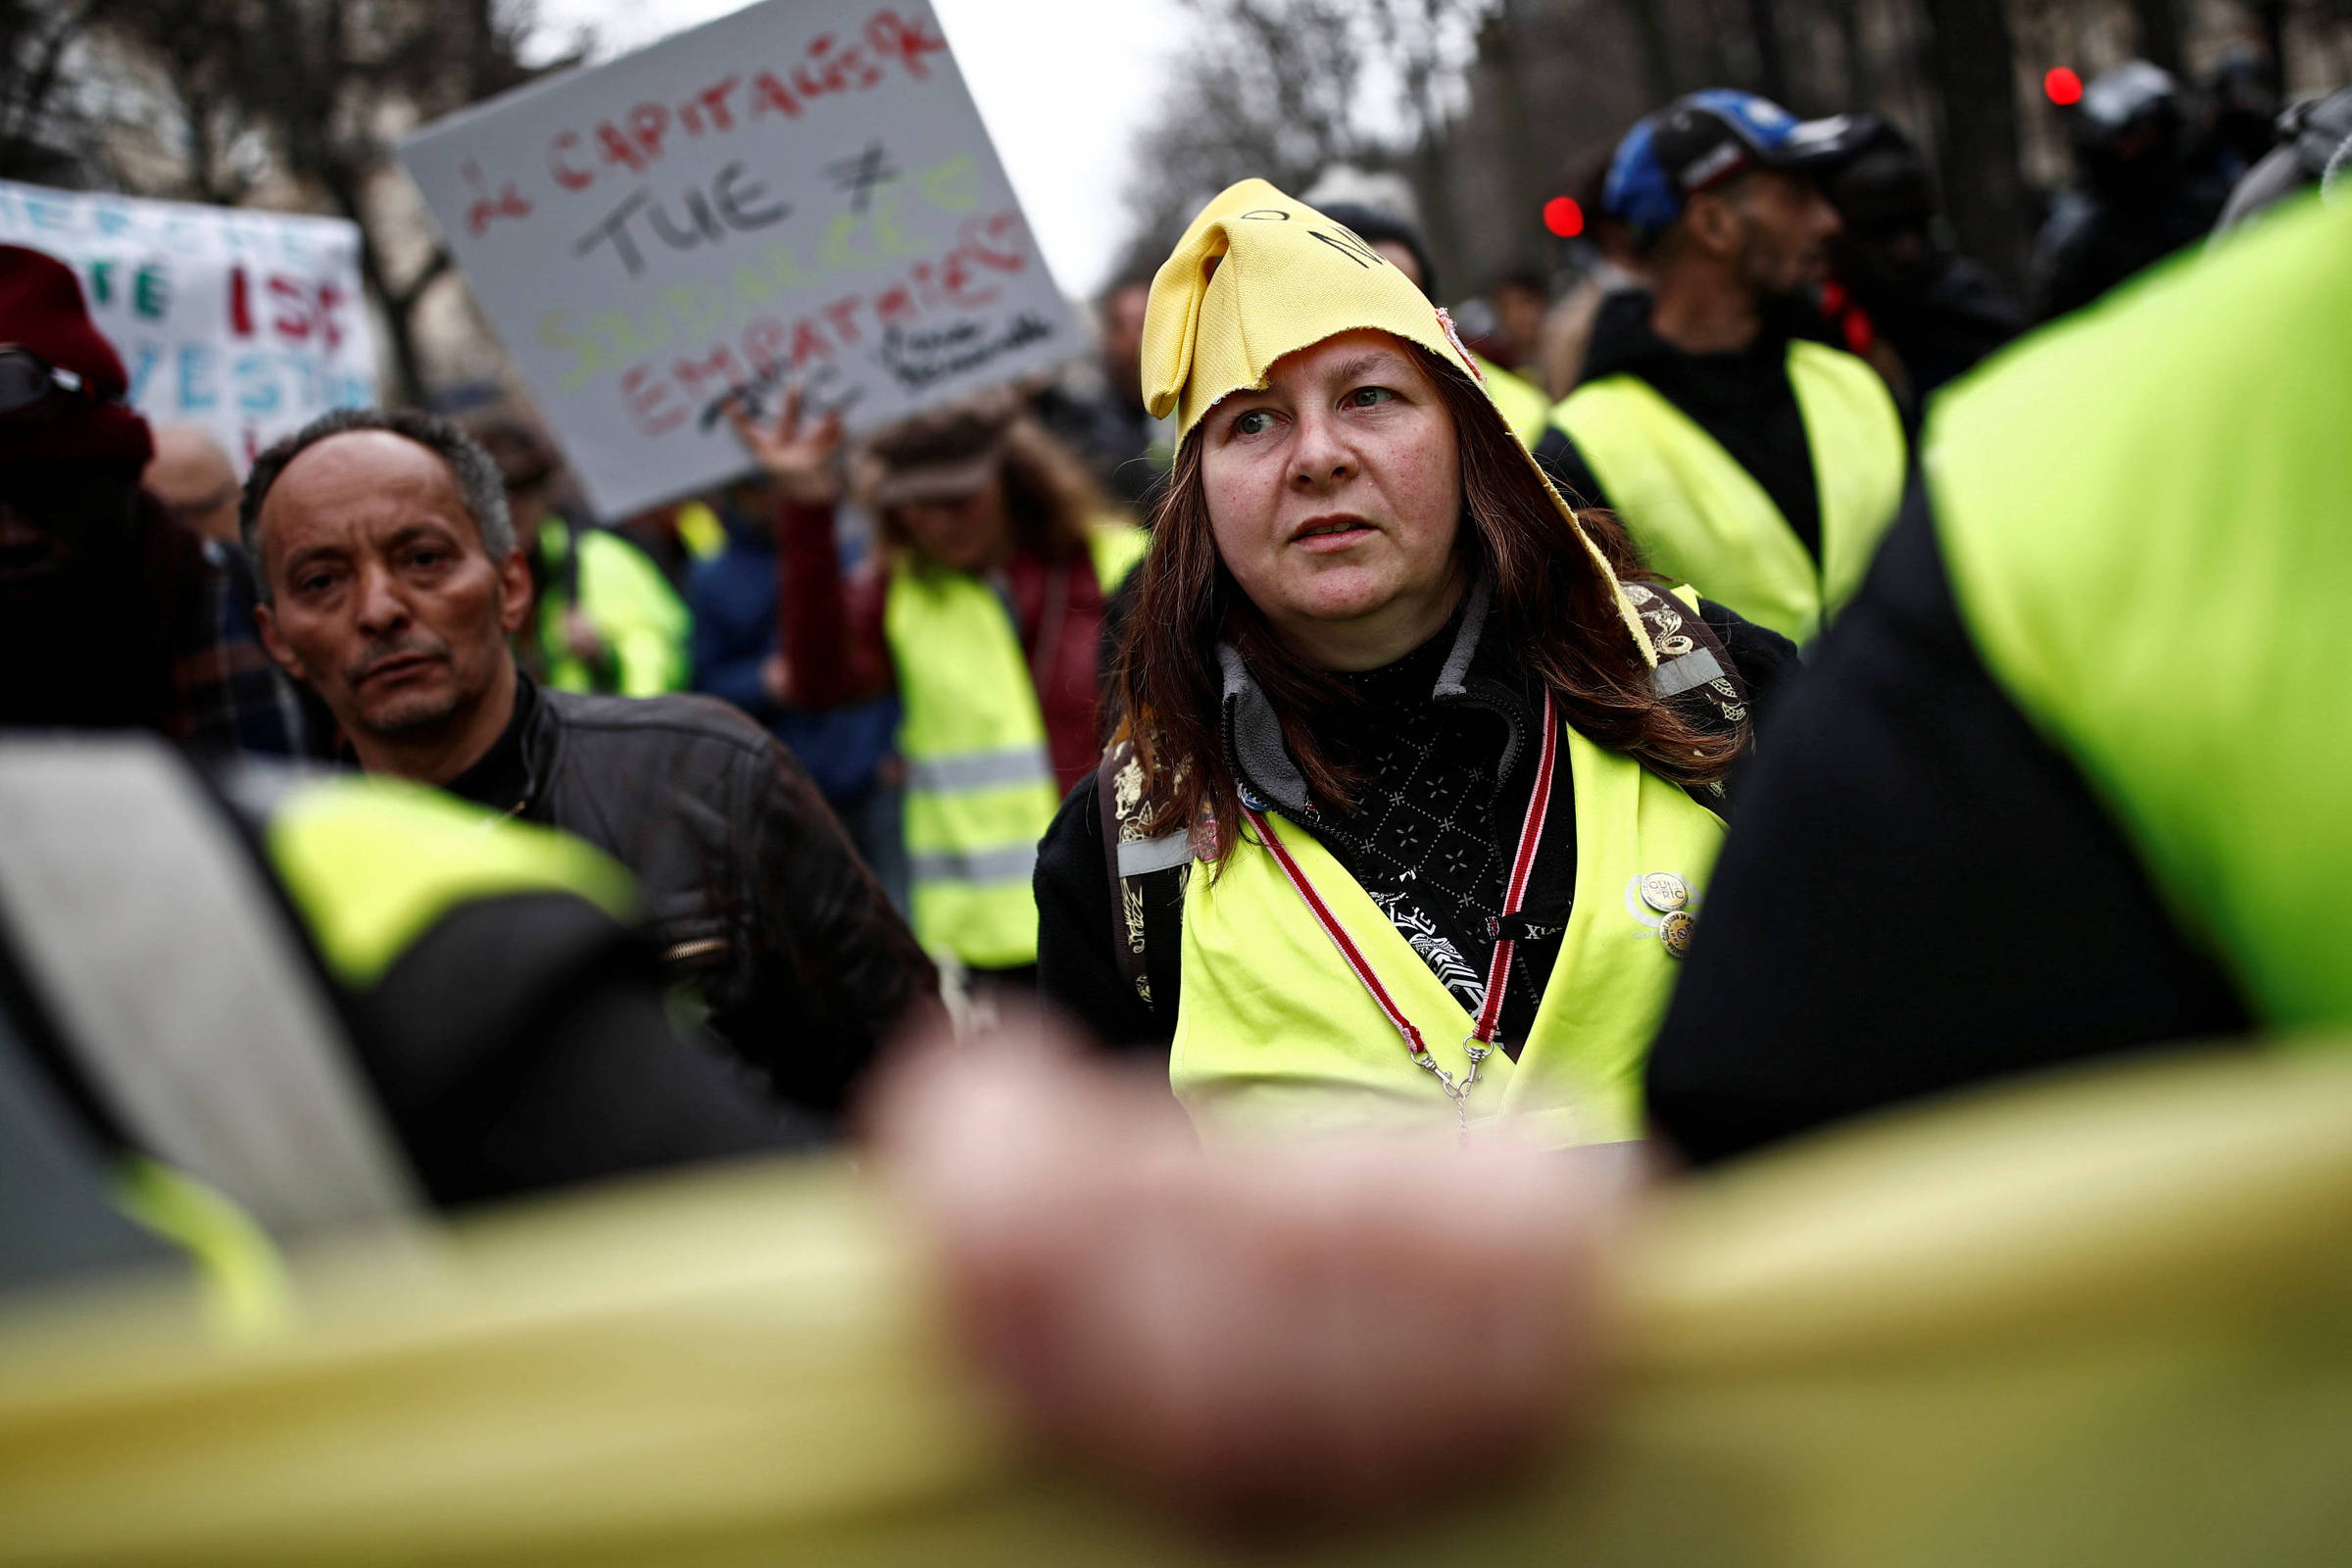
{"points": [[1064, 86]]}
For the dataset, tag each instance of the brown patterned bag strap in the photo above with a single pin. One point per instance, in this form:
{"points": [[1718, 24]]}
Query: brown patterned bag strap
{"points": [[1695, 669], [1130, 853]]}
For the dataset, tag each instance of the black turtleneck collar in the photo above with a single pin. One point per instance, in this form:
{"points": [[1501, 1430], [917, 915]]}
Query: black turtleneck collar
{"points": [[1624, 343], [1413, 679], [501, 778]]}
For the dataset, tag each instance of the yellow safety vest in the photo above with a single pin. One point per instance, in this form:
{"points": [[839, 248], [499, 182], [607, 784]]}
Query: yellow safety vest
{"points": [[631, 606], [701, 532], [1521, 403], [1275, 1033], [374, 862], [980, 790], [1700, 517], [2159, 585]]}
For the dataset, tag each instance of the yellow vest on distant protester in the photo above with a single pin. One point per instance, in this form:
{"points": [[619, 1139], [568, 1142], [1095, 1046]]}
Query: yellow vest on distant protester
{"points": [[701, 532], [644, 623], [1274, 1033], [1701, 519], [1521, 403], [980, 788]]}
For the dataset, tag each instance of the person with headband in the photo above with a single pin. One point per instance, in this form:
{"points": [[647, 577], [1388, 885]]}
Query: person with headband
{"points": [[1418, 779]]}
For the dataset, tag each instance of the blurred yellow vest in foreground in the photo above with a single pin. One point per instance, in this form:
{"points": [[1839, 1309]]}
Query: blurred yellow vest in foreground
{"points": [[2102, 1320]]}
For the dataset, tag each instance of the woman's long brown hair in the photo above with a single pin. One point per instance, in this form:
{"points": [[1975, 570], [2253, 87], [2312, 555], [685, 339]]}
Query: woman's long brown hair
{"points": [[1552, 608]]}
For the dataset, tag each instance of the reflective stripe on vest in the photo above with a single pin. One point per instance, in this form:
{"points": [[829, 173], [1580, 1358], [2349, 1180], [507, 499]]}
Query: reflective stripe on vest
{"points": [[1274, 1033], [980, 788], [1700, 517], [2145, 513]]}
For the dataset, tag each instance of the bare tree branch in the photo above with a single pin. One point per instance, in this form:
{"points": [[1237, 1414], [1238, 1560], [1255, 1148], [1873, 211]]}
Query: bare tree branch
{"points": [[316, 84]]}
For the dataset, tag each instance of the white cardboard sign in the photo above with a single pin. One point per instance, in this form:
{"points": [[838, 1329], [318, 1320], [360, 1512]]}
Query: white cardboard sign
{"points": [[800, 194], [246, 322]]}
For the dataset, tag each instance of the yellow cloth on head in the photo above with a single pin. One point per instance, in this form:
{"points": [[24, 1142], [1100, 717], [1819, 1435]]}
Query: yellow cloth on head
{"points": [[1259, 275], [1256, 276]]}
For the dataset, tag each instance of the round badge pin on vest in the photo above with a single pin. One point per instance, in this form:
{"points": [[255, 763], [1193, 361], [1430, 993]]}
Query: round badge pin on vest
{"points": [[1677, 930], [1665, 892], [1649, 897]]}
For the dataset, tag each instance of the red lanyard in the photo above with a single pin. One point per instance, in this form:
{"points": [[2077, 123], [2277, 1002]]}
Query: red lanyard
{"points": [[1479, 1044]]}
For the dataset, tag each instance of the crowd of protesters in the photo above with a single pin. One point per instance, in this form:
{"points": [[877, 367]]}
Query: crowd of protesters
{"points": [[1344, 715]]}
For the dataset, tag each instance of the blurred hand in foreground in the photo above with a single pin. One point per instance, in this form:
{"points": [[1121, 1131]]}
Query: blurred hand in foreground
{"points": [[1305, 1329]]}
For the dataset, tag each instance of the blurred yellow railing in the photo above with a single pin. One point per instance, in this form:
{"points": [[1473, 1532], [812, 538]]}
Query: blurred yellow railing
{"points": [[2107, 1319]]}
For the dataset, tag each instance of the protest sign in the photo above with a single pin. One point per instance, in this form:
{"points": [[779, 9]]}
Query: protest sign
{"points": [[800, 194], [245, 322]]}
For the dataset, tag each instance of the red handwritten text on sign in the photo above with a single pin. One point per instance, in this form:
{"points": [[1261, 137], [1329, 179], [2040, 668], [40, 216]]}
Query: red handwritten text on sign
{"points": [[661, 395], [633, 141]]}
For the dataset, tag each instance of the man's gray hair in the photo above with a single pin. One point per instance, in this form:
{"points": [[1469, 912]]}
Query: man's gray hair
{"points": [[479, 484]]}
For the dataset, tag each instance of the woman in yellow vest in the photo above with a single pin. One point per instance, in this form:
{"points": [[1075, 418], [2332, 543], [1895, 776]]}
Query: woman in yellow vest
{"points": [[984, 616], [1441, 787]]}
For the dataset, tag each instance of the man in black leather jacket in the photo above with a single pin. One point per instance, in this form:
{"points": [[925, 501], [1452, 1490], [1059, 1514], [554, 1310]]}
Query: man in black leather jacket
{"points": [[392, 582]]}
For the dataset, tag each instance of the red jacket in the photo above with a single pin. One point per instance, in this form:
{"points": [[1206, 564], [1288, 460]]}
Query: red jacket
{"points": [[836, 650]]}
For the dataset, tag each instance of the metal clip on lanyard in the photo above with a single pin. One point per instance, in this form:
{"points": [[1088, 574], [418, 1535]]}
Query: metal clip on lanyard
{"points": [[1479, 1044]]}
